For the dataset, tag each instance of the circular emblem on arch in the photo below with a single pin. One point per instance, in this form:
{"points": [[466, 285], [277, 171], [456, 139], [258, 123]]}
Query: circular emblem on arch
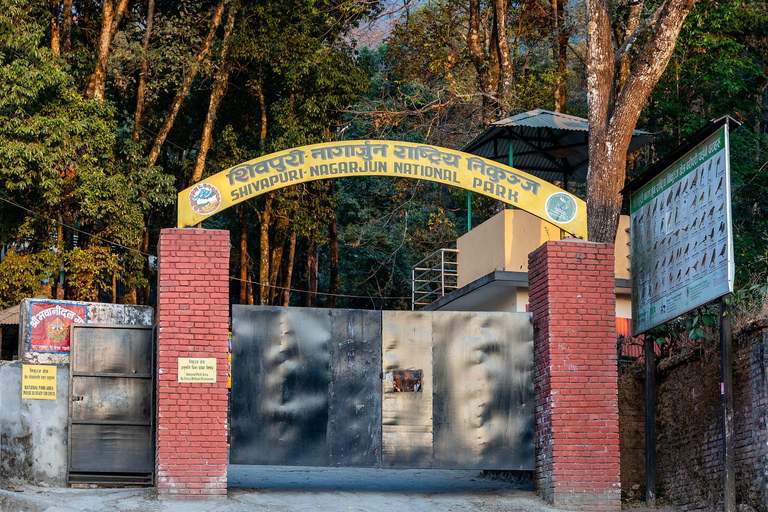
{"points": [[561, 207], [204, 198]]}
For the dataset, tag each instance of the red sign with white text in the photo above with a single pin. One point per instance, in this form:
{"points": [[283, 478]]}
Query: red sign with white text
{"points": [[49, 325]]}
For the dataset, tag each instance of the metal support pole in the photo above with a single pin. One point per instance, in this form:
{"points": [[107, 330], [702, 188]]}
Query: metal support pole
{"points": [[469, 211], [726, 399], [650, 423], [442, 273], [511, 160]]}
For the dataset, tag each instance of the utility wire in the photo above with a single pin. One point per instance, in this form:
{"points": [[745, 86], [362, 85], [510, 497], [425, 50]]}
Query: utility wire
{"points": [[40, 215]]}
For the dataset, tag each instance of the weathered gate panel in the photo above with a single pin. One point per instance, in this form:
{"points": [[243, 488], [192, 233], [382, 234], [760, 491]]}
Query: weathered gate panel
{"points": [[483, 398], [280, 378], [324, 387], [111, 415], [406, 416], [306, 386], [354, 419]]}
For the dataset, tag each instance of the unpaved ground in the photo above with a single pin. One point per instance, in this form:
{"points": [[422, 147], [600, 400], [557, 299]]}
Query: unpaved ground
{"points": [[255, 488]]}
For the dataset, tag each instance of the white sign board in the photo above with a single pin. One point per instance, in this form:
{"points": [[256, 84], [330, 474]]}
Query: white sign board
{"points": [[681, 236]]}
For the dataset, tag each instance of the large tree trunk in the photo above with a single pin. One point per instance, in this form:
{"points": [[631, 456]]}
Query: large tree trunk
{"points": [[265, 218], [486, 63], [110, 20], [259, 90], [243, 255], [217, 94], [624, 64], [560, 38], [612, 118], [55, 37], [141, 90], [505, 58], [66, 25], [189, 77]]}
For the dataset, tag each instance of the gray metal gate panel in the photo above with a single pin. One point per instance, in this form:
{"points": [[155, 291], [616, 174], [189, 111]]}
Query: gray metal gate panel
{"points": [[280, 379], [111, 412], [407, 417], [354, 418], [455, 389], [483, 399]]}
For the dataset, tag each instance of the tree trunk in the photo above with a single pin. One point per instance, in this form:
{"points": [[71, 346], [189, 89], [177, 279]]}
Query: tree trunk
{"points": [[55, 40], [263, 109], [505, 58], [217, 94], [114, 285], [110, 20], [265, 218], [58, 291], [147, 274], [486, 63], [189, 77], [625, 62], [612, 118], [243, 255], [66, 25], [560, 55], [281, 227], [141, 91], [289, 270], [333, 235], [311, 296]]}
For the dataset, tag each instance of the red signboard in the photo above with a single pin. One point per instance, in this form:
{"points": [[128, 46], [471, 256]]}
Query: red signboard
{"points": [[49, 325]]}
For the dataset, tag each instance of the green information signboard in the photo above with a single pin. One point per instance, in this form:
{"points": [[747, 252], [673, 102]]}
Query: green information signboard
{"points": [[681, 235]]}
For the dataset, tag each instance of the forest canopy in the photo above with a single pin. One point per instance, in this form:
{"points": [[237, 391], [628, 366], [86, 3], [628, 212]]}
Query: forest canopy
{"points": [[110, 107]]}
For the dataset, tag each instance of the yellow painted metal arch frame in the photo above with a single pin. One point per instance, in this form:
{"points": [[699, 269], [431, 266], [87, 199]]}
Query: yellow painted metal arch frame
{"points": [[382, 158]]}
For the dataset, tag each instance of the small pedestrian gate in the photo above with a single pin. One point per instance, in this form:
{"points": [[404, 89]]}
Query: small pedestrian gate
{"points": [[331, 387], [111, 413]]}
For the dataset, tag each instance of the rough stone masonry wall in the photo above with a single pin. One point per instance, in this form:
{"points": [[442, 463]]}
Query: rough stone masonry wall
{"points": [[632, 429], [193, 322], [575, 375], [689, 425]]}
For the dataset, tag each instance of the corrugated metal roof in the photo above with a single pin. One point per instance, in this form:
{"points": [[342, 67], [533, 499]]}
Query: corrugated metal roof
{"points": [[10, 316], [550, 145]]}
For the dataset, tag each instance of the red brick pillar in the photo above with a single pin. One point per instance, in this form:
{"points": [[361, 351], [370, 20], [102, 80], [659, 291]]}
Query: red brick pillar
{"points": [[193, 322], [575, 374]]}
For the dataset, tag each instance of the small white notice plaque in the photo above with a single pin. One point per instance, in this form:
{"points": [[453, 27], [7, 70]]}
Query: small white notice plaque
{"points": [[197, 369]]}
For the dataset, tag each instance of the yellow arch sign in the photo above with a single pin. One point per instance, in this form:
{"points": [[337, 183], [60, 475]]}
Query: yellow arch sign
{"points": [[382, 158]]}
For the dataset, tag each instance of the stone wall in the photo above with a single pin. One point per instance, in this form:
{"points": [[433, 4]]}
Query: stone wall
{"points": [[689, 425], [632, 429]]}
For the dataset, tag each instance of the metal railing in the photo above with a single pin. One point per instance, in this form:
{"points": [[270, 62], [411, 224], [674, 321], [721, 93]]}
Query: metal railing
{"points": [[433, 276]]}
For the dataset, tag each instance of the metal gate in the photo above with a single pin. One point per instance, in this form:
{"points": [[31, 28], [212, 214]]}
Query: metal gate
{"points": [[111, 411], [324, 387]]}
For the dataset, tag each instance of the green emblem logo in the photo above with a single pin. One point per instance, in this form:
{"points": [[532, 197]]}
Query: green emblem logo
{"points": [[561, 207]]}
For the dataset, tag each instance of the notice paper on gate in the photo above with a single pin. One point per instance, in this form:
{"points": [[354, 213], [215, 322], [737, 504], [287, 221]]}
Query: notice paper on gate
{"points": [[38, 382], [199, 369]]}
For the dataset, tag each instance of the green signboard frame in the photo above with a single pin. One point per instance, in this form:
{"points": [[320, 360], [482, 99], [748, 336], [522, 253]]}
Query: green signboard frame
{"points": [[682, 235]]}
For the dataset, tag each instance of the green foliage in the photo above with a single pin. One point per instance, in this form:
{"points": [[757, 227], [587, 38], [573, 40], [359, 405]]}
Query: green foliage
{"points": [[719, 68], [60, 156]]}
